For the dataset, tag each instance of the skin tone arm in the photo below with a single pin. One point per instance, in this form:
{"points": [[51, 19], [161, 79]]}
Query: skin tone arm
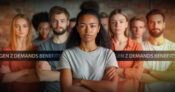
{"points": [[132, 73], [168, 75], [67, 84], [31, 77], [164, 75], [154, 76], [19, 76], [108, 84], [44, 72], [147, 78]]}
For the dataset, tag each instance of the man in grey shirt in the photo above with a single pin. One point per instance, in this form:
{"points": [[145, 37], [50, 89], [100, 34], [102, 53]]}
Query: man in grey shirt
{"points": [[46, 70]]}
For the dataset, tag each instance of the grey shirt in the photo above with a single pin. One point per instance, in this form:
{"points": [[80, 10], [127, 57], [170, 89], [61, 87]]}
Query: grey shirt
{"points": [[51, 46], [37, 42], [87, 65]]}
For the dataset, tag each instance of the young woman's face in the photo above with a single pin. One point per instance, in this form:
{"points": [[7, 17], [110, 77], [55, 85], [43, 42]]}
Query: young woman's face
{"points": [[21, 28], [88, 27], [44, 29], [118, 24]]}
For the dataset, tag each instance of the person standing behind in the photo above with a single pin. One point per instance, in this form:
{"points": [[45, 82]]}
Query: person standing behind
{"points": [[104, 21], [71, 24], [129, 72], [138, 29], [41, 24], [158, 75], [20, 76], [46, 70]]}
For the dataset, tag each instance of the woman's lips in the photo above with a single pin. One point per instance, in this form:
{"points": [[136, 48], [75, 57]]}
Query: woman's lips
{"points": [[87, 35]]}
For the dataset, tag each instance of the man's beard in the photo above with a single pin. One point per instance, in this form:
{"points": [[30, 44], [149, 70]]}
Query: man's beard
{"points": [[60, 33], [156, 34]]}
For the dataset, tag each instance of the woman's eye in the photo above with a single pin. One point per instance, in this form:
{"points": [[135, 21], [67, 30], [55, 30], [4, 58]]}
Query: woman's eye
{"points": [[16, 26], [25, 26], [113, 22], [93, 26], [121, 21], [82, 26], [62, 21]]}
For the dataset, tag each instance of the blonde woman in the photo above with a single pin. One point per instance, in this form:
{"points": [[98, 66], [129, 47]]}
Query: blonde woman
{"points": [[19, 76], [129, 71]]}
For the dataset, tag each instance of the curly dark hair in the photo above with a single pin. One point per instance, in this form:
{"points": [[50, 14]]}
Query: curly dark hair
{"points": [[102, 38], [90, 5], [38, 18]]}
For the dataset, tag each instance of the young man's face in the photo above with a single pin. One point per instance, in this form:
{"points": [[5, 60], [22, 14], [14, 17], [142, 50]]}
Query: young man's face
{"points": [[156, 25], [138, 28], [59, 23], [104, 22]]}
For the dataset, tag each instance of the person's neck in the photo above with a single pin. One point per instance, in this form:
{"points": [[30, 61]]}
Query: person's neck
{"points": [[140, 39], [41, 39], [120, 38], [60, 38], [88, 46], [157, 41], [21, 43]]}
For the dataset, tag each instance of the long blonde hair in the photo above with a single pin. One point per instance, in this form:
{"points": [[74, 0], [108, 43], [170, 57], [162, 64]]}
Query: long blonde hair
{"points": [[13, 37], [114, 12]]}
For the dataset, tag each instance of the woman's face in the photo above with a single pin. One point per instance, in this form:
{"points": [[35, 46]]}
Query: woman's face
{"points": [[118, 24], [88, 27], [21, 28], [44, 30]]}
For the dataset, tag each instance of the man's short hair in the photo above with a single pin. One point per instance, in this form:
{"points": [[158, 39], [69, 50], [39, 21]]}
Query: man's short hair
{"points": [[58, 10], [137, 18], [155, 12]]}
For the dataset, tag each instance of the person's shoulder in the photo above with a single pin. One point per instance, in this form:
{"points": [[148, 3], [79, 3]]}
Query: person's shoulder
{"points": [[134, 44], [70, 49], [35, 41], [106, 50], [8, 48], [170, 44], [34, 47], [47, 42]]}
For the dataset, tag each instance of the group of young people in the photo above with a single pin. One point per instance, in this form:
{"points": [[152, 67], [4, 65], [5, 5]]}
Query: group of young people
{"points": [[88, 63]]}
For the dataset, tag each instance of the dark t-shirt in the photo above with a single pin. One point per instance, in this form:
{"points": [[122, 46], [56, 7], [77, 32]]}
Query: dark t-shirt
{"points": [[51, 46]]}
